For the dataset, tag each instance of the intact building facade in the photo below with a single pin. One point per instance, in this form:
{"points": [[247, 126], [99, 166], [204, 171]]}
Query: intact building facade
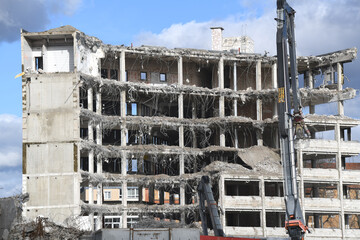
{"points": [[98, 119]]}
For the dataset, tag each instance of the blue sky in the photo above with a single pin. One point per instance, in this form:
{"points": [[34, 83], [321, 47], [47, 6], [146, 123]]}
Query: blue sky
{"points": [[321, 26]]}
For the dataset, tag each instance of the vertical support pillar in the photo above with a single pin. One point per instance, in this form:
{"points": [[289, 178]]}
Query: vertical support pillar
{"points": [[99, 189], [45, 56], [275, 86], [181, 135], [182, 200], [221, 200], [275, 109], [221, 99], [340, 183], [339, 88], [99, 128], [258, 101], [91, 157], [301, 191], [181, 114], [123, 139], [263, 211], [311, 86], [194, 143], [236, 140]]}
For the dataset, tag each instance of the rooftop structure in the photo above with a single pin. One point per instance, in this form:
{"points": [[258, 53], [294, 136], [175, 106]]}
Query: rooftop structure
{"points": [[116, 134]]}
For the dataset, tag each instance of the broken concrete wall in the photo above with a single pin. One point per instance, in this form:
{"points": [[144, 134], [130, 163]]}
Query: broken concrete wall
{"points": [[10, 214], [88, 54]]}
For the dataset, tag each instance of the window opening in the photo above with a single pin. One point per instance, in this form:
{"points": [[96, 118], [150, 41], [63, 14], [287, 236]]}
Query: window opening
{"points": [[162, 77], [143, 76]]}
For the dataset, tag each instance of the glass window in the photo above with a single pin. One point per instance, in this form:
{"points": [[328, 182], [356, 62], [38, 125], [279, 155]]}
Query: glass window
{"points": [[131, 221], [143, 76], [107, 195], [134, 109], [162, 77], [112, 221], [133, 192]]}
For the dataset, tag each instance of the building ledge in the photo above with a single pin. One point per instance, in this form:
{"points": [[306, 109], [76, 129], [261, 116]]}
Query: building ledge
{"points": [[320, 175], [322, 204], [327, 146]]}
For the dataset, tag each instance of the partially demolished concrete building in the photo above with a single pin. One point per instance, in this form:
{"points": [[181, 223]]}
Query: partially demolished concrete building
{"points": [[116, 134]]}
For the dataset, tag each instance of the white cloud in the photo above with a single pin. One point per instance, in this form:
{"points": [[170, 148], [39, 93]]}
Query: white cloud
{"points": [[10, 182], [191, 34], [326, 26], [11, 131], [10, 140], [10, 158], [67, 7], [30, 15]]}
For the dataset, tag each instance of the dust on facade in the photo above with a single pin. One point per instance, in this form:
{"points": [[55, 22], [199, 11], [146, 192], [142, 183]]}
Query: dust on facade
{"points": [[115, 134]]}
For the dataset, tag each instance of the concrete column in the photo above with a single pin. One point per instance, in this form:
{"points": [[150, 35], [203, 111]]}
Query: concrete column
{"points": [[123, 139], [99, 191], [275, 85], [340, 183], [180, 70], [194, 143], [235, 88], [221, 199], [236, 140], [91, 156], [339, 88], [258, 101], [124, 203], [263, 211], [181, 134], [122, 66], [275, 109], [182, 201], [99, 128], [311, 86], [301, 191], [221, 99], [45, 57]]}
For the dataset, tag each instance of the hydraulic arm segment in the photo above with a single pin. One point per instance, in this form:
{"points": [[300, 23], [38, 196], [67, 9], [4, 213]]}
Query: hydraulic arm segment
{"points": [[205, 193], [285, 38]]}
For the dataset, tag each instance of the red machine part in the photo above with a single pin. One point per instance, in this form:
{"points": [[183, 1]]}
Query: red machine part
{"points": [[203, 237]]}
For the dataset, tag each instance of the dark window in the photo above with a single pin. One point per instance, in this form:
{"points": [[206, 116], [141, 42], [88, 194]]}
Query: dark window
{"points": [[114, 74], [39, 63], [84, 133], [104, 73], [126, 76], [162, 77], [143, 76], [84, 163], [242, 219]]}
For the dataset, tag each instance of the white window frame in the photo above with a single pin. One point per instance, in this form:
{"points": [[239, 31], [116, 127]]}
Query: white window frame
{"points": [[107, 195], [134, 192]]}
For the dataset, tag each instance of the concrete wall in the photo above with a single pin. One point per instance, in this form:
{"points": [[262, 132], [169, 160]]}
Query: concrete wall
{"points": [[50, 150]]}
